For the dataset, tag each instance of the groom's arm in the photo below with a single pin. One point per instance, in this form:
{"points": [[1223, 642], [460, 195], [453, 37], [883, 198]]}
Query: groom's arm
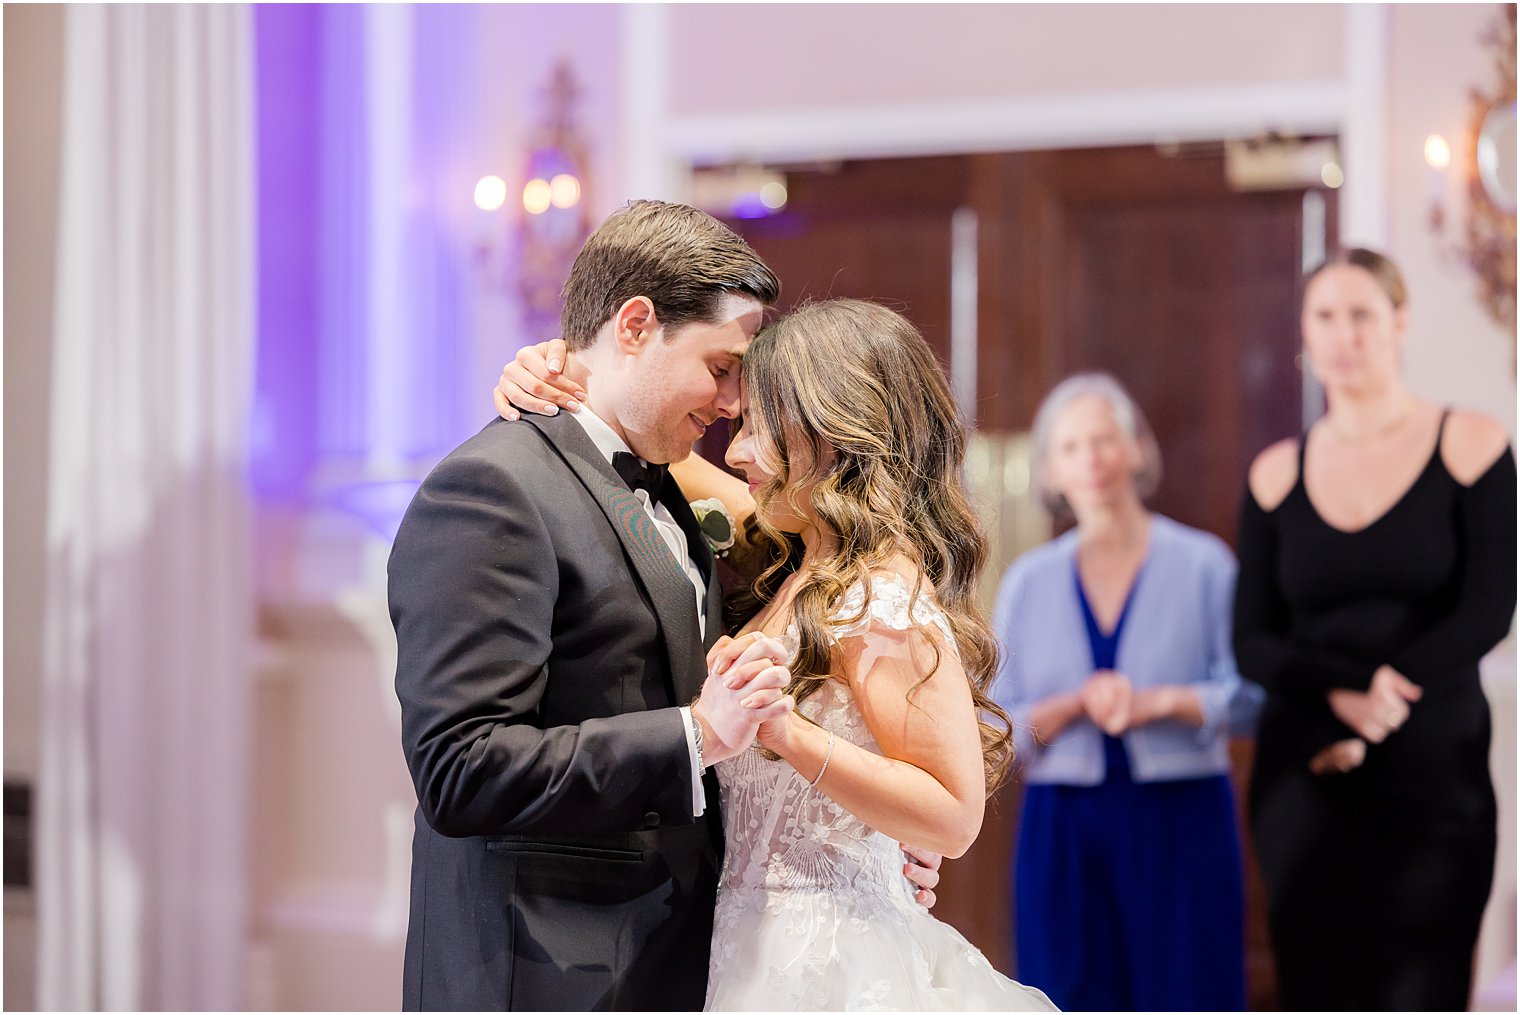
{"points": [[473, 583]]}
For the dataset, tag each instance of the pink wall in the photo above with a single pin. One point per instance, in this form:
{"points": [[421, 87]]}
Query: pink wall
{"points": [[748, 57]]}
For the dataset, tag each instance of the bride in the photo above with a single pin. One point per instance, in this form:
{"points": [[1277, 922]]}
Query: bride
{"points": [[852, 448]]}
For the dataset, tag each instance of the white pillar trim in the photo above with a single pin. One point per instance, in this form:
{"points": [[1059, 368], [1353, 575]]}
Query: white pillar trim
{"points": [[388, 65], [1364, 207], [648, 163], [1013, 124]]}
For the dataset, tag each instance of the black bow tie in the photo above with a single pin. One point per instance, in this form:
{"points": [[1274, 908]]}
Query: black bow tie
{"points": [[637, 475]]}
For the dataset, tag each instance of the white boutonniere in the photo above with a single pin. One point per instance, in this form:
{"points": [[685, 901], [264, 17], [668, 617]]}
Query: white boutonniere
{"points": [[716, 523]]}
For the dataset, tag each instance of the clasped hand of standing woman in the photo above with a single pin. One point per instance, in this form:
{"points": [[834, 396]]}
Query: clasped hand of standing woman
{"points": [[1376, 712], [1373, 714], [1108, 698], [1114, 705]]}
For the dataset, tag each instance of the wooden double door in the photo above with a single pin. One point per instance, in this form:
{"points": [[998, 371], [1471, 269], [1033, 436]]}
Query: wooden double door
{"points": [[1145, 265]]}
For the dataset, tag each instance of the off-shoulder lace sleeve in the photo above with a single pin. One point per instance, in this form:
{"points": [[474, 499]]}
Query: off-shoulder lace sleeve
{"points": [[892, 607]]}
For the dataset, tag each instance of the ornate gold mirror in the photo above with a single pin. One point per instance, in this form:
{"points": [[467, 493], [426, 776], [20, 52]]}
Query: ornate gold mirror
{"points": [[1491, 179]]}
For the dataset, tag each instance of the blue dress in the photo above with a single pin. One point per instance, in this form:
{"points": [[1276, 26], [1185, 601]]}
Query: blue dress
{"points": [[1127, 894]]}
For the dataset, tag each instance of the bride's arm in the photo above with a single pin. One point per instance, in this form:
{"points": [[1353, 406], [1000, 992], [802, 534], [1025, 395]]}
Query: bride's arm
{"points": [[928, 786]]}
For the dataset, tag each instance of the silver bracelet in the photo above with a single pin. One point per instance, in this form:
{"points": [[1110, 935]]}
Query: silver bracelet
{"points": [[826, 756]]}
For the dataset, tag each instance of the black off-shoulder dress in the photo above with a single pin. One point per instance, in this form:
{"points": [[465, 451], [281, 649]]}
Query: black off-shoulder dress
{"points": [[1377, 878]]}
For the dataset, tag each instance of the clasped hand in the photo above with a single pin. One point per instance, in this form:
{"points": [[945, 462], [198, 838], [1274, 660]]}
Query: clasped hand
{"points": [[1376, 712], [1339, 758], [1372, 714], [1108, 699], [745, 686]]}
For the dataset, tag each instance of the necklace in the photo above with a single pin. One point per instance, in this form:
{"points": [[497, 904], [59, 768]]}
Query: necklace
{"points": [[1377, 433]]}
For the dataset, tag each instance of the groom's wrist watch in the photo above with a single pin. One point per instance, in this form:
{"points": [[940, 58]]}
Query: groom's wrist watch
{"points": [[696, 740]]}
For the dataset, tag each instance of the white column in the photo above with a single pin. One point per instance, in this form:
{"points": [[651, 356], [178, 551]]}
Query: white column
{"points": [[650, 169], [388, 122], [1364, 209]]}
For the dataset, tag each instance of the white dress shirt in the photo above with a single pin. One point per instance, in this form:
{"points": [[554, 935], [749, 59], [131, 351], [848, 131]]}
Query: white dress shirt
{"points": [[609, 443]]}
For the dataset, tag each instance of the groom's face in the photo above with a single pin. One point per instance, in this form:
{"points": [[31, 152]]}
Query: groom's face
{"points": [[685, 380]]}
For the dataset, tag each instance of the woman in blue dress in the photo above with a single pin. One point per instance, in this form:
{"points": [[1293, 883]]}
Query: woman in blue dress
{"points": [[1120, 679]]}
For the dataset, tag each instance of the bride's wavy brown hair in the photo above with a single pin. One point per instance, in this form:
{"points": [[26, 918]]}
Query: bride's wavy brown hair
{"points": [[857, 410]]}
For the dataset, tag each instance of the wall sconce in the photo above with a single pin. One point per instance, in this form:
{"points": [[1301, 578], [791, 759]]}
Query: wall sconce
{"points": [[1438, 158], [554, 221], [1487, 243]]}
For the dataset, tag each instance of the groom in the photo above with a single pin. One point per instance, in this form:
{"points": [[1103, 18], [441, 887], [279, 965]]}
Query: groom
{"points": [[553, 599]]}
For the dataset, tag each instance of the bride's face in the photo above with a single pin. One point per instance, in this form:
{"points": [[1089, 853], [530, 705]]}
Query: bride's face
{"points": [[758, 458]]}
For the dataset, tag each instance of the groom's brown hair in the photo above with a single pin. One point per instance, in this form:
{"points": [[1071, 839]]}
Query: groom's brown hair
{"points": [[684, 260]]}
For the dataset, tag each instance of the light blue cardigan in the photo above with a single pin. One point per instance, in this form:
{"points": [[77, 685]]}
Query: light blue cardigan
{"points": [[1177, 632]]}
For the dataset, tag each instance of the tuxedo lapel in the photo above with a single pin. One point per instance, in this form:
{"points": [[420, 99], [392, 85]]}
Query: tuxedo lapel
{"points": [[715, 622], [669, 589]]}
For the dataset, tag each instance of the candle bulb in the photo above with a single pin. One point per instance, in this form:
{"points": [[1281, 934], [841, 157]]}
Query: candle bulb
{"points": [[1438, 157]]}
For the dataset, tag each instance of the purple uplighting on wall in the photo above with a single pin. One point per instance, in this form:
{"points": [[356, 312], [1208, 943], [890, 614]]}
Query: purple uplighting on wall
{"points": [[362, 289], [284, 431]]}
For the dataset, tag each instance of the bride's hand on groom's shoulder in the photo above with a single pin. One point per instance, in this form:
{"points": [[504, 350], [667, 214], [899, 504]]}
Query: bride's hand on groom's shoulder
{"points": [[543, 378], [745, 686]]}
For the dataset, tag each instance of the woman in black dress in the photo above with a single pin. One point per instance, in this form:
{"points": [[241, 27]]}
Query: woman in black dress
{"points": [[1377, 567]]}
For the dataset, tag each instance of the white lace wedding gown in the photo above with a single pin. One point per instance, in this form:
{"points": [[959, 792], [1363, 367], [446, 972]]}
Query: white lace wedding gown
{"points": [[814, 913]]}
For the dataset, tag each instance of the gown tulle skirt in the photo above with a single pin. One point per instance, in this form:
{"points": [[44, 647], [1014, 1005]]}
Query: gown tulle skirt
{"points": [[805, 950]]}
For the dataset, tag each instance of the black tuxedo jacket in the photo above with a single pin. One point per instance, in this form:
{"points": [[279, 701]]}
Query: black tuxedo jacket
{"points": [[545, 637]]}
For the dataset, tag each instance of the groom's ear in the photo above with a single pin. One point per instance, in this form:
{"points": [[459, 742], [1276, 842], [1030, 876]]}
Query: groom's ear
{"points": [[635, 325]]}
